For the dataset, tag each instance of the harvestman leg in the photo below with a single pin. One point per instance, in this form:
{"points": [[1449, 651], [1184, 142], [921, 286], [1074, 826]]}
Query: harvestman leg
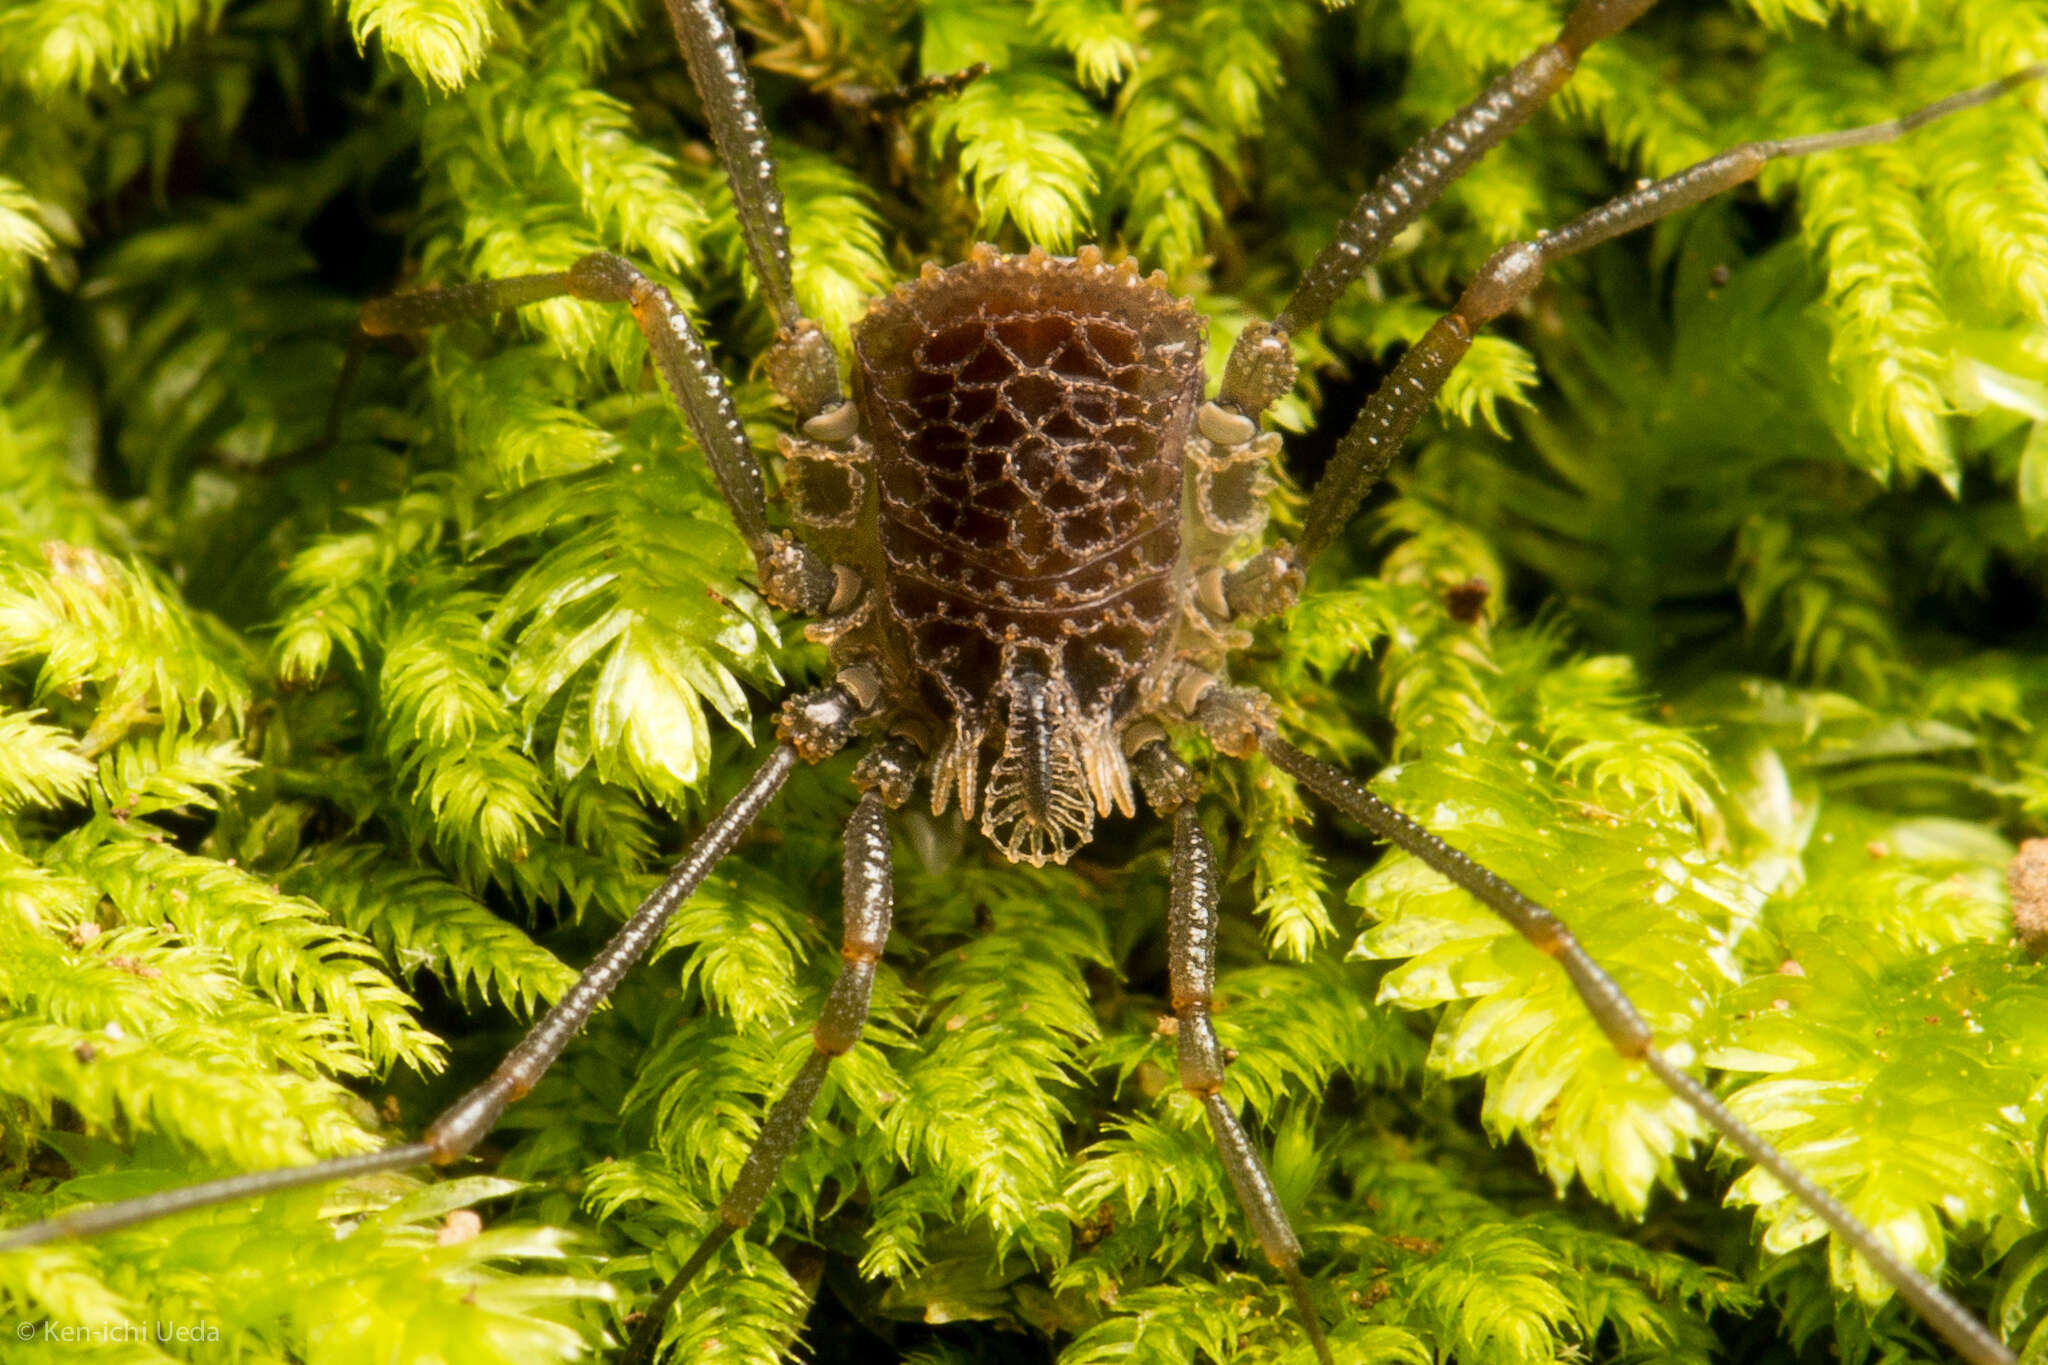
{"points": [[1363, 455], [1260, 369], [1191, 957], [1227, 716], [1514, 271], [791, 574], [804, 371], [870, 903], [1261, 365], [814, 725], [802, 365]]}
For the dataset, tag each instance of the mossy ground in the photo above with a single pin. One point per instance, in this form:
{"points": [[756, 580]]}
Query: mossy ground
{"points": [[319, 773]]}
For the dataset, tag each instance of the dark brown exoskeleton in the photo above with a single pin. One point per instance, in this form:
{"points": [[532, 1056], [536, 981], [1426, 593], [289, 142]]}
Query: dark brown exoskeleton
{"points": [[1030, 542], [1017, 504]]}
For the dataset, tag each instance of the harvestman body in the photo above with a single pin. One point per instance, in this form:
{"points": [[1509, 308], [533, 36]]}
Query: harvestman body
{"points": [[1027, 541]]}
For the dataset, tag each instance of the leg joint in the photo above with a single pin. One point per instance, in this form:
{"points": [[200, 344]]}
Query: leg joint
{"points": [[1592, 20], [1609, 1005], [1510, 276], [1268, 584], [1166, 779], [890, 769], [795, 577], [1543, 73], [845, 1011], [604, 277], [803, 369], [1201, 1055], [1260, 369], [1236, 719], [449, 1138]]}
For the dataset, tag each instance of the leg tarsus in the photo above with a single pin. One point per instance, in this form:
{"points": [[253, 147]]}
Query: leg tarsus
{"points": [[424, 309], [874, 103], [330, 425], [95, 1219]]}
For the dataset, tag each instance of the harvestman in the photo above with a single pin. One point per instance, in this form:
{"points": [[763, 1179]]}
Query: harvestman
{"points": [[1016, 539]]}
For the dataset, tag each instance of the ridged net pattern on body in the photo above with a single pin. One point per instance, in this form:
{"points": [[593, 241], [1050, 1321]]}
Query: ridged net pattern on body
{"points": [[1028, 414]]}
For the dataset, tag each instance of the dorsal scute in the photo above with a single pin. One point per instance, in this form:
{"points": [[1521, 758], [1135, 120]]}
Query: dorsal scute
{"points": [[1028, 412], [1029, 416]]}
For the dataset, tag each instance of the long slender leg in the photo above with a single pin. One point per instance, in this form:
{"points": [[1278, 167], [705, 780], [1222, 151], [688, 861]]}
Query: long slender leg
{"points": [[1191, 957], [792, 575], [802, 365], [1515, 270], [1261, 367], [870, 901], [1626, 1028], [465, 1122]]}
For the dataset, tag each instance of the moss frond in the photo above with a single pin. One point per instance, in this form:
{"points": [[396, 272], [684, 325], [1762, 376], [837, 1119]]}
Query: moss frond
{"points": [[442, 41], [322, 764], [54, 46], [1021, 141]]}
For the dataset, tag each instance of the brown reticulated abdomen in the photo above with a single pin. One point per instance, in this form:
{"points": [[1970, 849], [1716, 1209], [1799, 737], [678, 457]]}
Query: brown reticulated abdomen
{"points": [[1028, 415]]}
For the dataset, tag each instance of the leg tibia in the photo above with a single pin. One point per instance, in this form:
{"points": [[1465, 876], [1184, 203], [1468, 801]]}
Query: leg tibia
{"points": [[778, 1136], [801, 366], [1366, 450], [1191, 964], [1414, 183], [1593, 20], [870, 906], [720, 75], [465, 1122], [1254, 1188]]}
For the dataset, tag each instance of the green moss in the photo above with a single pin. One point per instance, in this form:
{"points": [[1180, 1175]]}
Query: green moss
{"points": [[320, 772]]}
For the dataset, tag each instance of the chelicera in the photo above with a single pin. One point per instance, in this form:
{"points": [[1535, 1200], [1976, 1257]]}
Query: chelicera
{"points": [[1030, 542]]}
